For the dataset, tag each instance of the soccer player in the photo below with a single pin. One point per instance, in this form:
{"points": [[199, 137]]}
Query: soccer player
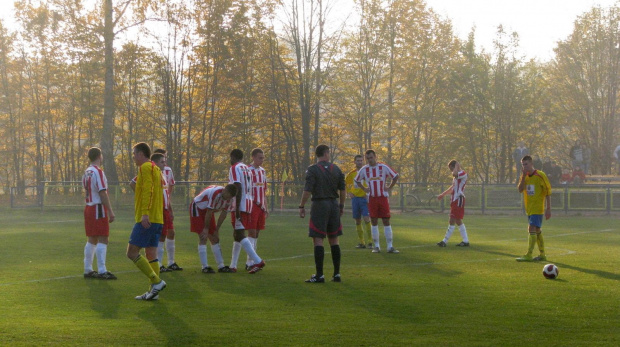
{"points": [[167, 234], [260, 212], [149, 217], [375, 176], [325, 183], [239, 174], [202, 222], [457, 204], [536, 191], [98, 215], [359, 204]]}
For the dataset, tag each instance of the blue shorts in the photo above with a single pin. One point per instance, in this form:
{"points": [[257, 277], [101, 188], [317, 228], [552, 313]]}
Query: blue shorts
{"points": [[360, 207], [535, 220], [144, 238]]}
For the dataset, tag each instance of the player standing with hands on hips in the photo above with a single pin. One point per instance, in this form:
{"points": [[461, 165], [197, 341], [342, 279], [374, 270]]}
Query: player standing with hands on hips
{"points": [[536, 191], [325, 183]]}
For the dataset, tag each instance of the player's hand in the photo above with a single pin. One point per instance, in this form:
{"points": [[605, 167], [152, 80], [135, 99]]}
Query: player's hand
{"points": [[367, 190], [302, 212], [146, 223], [266, 214], [204, 235], [547, 214], [439, 197], [111, 217]]}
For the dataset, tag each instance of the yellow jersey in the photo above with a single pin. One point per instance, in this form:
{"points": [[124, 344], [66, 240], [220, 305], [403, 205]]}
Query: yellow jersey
{"points": [[348, 180], [537, 188], [149, 198]]}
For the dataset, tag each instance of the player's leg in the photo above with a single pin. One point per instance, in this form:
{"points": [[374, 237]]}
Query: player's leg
{"points": [[89, 255], [367, 227], [317, 231], [102, 251], [373, 211], [171, 250], [459, 214], [334, 230], [534, 223], [446, 238], [357, 216], [160, 253], [541, 246], [253, 238]]}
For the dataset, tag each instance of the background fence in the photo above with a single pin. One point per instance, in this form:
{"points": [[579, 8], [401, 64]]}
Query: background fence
{"points": [[405, 197]]}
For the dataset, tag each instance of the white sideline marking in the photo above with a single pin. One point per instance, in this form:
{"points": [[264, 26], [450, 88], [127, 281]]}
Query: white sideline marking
{"points": [[566, 252]]}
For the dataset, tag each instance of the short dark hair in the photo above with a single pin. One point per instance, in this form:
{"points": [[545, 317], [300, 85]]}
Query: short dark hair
{"points": [[232, 189], [368, 151], [94, 153], [157, 156], [358, 156], [527, 158], [160, 150], [236, 154], [452, 164], [144, 148], [256, 151], [321, 150]]}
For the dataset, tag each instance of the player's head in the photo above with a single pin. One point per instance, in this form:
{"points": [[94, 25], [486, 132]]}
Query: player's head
{"points": [[371, 157], [526, 162], [159, 159], [141, 153], [321, 151], [452, 164], [230, 191], [358, 160], [94, 153], [236, 155], [258, 156], [161, 151]]}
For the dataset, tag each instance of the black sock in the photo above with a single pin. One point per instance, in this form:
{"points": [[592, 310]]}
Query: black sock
{"points": [[319, 255], [336, 258]]}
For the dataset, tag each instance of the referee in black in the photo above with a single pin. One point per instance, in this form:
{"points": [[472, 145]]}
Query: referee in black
{"points": [[325, 182]]}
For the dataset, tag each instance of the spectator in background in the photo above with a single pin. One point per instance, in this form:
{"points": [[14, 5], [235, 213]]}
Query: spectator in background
{"points": [[537, 162], [578, 176], [547, 168], [566, 177], [576, 154], [587, 156], [617, 156], [557, 173], [518, 154]]}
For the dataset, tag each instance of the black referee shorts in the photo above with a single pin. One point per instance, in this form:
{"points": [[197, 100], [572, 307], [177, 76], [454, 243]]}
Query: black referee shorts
{"points": [[325, 219]]}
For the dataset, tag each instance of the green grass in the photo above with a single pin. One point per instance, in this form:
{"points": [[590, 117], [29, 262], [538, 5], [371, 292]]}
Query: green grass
{"points": [[425, 296]]}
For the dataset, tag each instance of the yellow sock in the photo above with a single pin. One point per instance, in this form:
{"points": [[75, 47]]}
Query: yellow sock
{"points": [[541, 244], [531, 243], [368, 232], [155, 266], [360, 232], [146, 269]]}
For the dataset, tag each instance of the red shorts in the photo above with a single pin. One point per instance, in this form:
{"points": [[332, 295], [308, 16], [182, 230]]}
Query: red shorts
{"points": [[167, 223], [379, 207], [197, 221], [457, 208], [96, 221], [257, 221], [246, 219]]}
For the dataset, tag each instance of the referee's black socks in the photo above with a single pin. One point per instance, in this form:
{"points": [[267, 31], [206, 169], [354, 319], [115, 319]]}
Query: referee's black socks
{"points": [[336, 258], [319, 255]]}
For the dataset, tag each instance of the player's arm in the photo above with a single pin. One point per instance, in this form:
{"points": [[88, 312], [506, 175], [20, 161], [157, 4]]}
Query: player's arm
{"points": [[521, 185], [221, 219], [548, 208], [456, 170], [105, 200], [147, 193], [302, 205], [448, 191], [343, 197], [238, 200], [394, 180], [132, 183]]}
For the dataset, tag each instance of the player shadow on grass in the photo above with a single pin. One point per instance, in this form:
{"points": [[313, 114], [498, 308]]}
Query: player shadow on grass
{"points": [[483, 249], [599, 273], [104, 298]]}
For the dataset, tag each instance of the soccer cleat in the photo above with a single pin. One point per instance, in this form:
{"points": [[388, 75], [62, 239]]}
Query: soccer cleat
{"points": [[247, 267], [393, 250], [225, 269], [146, 296], [233, 269], [208, 270], [156, 288], [257, 267], [525, 258], [92, 274], [463, 244], [441, 244], [360, 245], [164, 269], [336, 278], [314, 279], [107, 276], [175, 267], [540, 258], [369, 246], [376, 250]]}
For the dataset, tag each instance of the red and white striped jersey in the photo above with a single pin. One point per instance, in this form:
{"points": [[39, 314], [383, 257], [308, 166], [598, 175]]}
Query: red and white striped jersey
{"points": [[167, 172], [94, 181], [458, 185], [240, 173], [164, 183], [211, 198], [375, 177], [259, 185]]}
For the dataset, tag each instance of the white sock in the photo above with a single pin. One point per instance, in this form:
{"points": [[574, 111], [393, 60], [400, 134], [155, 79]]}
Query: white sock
{"points": [[374, 230], [249, 261], [247, 246], [89, 254], [236, 250], [170, 248], [101, 251], [387, 231], [217, 252], [202, 253], [463, 232], [160, 252], [448, 233]]}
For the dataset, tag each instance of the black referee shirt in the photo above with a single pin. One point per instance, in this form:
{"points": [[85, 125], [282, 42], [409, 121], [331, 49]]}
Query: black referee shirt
{"points": [[324, 180]]}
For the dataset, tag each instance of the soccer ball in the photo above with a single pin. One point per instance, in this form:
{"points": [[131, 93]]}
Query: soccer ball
{"points": [[550, 271]]}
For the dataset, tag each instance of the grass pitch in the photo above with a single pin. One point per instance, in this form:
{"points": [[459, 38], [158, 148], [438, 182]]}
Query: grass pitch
{"points": [[426, 295]]}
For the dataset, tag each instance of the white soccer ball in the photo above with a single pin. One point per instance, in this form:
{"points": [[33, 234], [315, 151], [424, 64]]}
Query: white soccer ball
{"points": [[550, 271]]}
